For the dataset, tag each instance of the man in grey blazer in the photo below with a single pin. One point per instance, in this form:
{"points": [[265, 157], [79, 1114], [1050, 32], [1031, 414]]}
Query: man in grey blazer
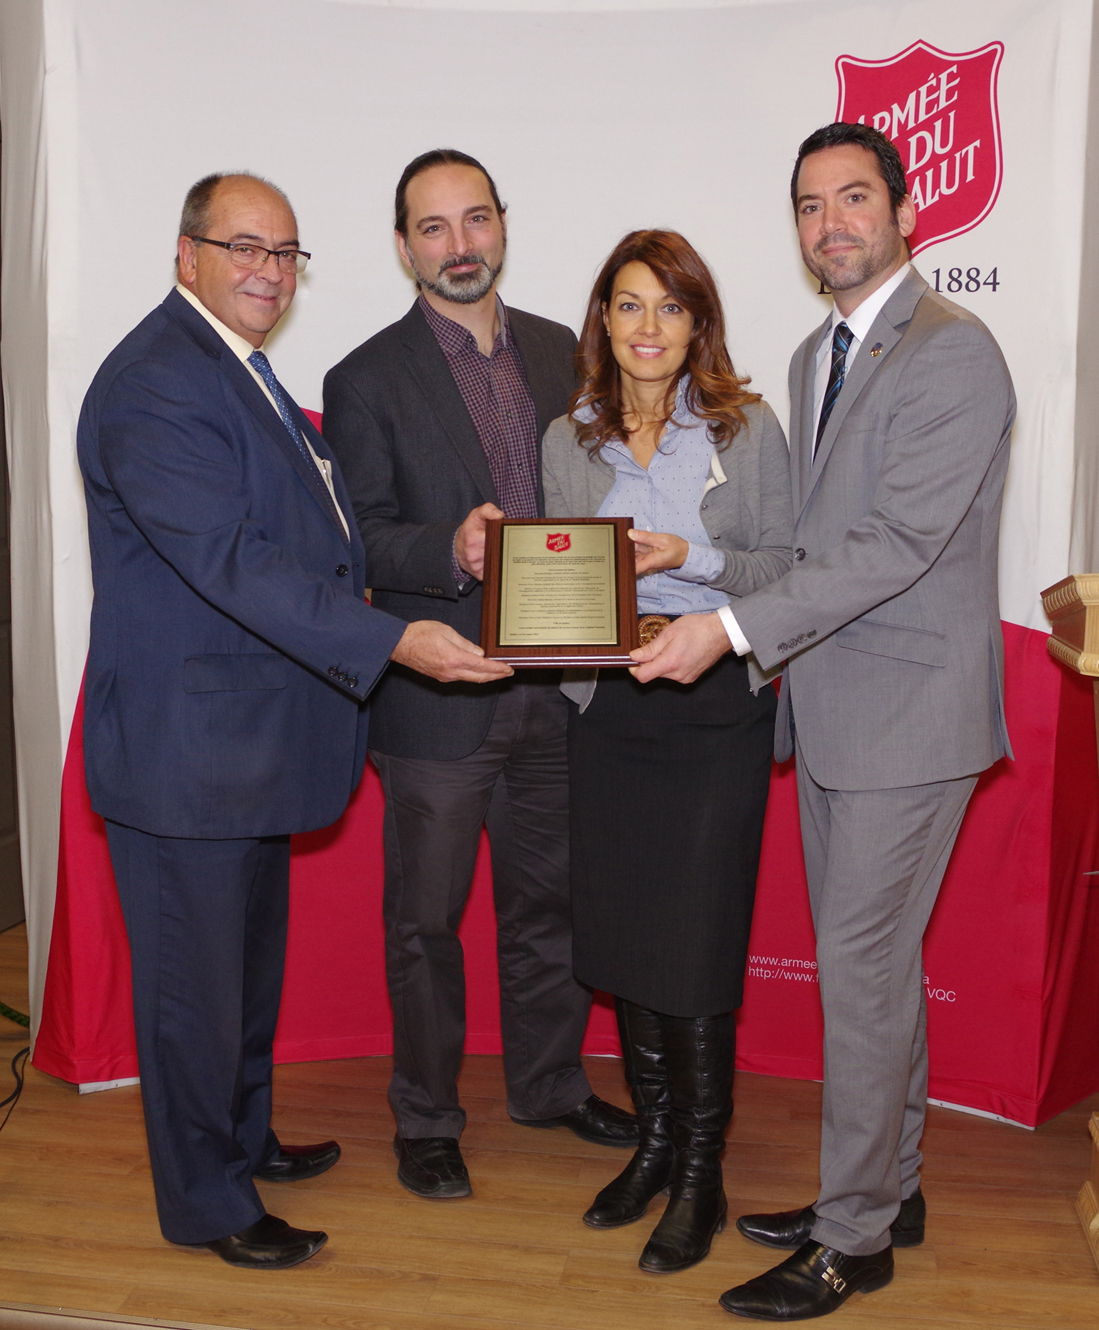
{"points": [[892, 698], [438, 421]]}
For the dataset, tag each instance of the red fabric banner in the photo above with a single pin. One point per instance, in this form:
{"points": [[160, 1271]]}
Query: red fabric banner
{"points": [[1012, 955]]}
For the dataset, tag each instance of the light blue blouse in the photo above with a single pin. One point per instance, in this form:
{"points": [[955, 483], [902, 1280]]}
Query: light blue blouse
{"points": [[666, 497]]}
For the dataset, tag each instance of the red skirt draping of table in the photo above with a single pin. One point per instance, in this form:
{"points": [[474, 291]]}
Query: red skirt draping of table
{"points": [[1011, 959]]}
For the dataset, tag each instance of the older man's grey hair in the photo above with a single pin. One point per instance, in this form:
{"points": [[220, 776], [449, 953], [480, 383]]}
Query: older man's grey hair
{"points": [[195, 220]]}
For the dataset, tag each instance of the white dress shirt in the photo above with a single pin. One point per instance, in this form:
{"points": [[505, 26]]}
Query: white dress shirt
{"points": [[859, 321], [242, 350]]}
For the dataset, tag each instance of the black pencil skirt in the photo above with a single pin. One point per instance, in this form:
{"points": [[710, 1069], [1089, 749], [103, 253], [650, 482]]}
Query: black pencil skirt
{"points": [[668, 787]]}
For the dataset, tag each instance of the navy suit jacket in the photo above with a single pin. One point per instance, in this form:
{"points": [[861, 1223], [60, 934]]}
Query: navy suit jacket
{"points": [[231, 647]]}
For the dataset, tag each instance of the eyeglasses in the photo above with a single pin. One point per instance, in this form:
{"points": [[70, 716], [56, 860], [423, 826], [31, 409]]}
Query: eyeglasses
{"points": [[247, 255]]}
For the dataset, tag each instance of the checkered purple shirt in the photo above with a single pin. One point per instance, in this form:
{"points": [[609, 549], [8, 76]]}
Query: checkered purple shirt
{"points": [[497, 397]]}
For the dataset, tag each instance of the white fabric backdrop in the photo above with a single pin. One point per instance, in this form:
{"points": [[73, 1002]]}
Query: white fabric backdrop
{"points": [[594, 118]]}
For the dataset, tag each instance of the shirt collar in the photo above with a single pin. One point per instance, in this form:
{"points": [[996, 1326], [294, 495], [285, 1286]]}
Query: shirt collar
{"points": [[680, 411], [234, 341], [452, 336], [682, 416], [861, 319]]}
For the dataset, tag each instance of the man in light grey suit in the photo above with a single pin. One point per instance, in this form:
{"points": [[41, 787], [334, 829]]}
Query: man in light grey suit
{"points": [[892, 697]]}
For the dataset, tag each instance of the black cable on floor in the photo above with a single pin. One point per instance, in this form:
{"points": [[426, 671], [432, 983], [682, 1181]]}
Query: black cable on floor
{"points": [[17, 1072], [17, 1016]]}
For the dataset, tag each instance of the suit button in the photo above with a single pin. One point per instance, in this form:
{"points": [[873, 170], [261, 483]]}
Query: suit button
{"points": [[342, 570], [353, 682], [799, 555], [333, 672]]}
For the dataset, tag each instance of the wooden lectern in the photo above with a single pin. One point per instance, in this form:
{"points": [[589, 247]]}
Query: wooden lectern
{"points": [[1072, 607]]}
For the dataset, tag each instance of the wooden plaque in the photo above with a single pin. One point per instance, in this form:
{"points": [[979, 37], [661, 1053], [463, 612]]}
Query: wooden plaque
{"points": [[559, 592]]}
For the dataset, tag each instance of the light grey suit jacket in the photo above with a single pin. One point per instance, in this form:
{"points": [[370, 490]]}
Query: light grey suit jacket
{"points": [[745, 509], [889, 619]]}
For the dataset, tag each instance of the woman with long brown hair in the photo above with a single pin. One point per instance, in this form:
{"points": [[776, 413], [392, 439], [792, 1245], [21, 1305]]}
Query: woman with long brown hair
{"points": [[669, 781]]}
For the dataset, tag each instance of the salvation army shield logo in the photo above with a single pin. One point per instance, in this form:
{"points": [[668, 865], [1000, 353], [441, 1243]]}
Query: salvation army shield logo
{"points": [[940, 110], [558, 541]]}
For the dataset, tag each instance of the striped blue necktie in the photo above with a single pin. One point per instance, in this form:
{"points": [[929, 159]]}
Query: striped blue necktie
{"points": [[841, 344], [262, 366]]}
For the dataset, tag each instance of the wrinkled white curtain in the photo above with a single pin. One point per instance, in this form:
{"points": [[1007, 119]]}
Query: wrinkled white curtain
{"points": [[51, 585], [596, 116]]}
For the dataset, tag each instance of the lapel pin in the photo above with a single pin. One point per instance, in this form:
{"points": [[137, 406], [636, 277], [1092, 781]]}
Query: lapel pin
{"points": [[875, 350]]}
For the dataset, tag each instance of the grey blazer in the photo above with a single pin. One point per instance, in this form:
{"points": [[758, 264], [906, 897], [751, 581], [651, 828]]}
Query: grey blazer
{"points": [[889, 619], [745, 508]]}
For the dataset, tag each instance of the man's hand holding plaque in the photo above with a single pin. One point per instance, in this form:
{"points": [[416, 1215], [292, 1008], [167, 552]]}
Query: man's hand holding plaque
{"points": [[469, 540]]}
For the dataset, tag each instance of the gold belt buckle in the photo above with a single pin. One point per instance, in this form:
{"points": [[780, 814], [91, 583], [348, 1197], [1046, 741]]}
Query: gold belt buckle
{"points": [[650, 626]]}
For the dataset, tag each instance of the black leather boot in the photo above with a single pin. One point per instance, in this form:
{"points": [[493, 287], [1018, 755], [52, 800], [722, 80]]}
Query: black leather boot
{"points": [[626, 1199], [698, 1053]]}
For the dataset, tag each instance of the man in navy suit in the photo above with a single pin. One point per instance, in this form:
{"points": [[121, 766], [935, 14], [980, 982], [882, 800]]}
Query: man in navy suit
{"points": [[231, 654]]}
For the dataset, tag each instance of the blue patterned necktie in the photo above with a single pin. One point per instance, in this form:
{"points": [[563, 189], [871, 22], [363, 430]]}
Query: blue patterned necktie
{"points": [[841, 344], [262, 366]]}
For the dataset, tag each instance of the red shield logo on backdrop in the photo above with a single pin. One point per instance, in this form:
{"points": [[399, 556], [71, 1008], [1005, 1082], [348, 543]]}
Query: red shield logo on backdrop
{"points": [[559, 542], [940, 110]]}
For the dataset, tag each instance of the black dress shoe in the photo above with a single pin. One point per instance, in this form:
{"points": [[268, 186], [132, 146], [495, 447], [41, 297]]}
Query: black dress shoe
{"points": [[908, 1228], [432, 1167], [292, 1163], [789, 1229], [268, 1244], [813, 1282], [594, 1120]]}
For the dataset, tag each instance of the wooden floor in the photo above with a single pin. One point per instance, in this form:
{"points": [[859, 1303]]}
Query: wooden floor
{"points": [[13, 977], [78, 1230]]}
